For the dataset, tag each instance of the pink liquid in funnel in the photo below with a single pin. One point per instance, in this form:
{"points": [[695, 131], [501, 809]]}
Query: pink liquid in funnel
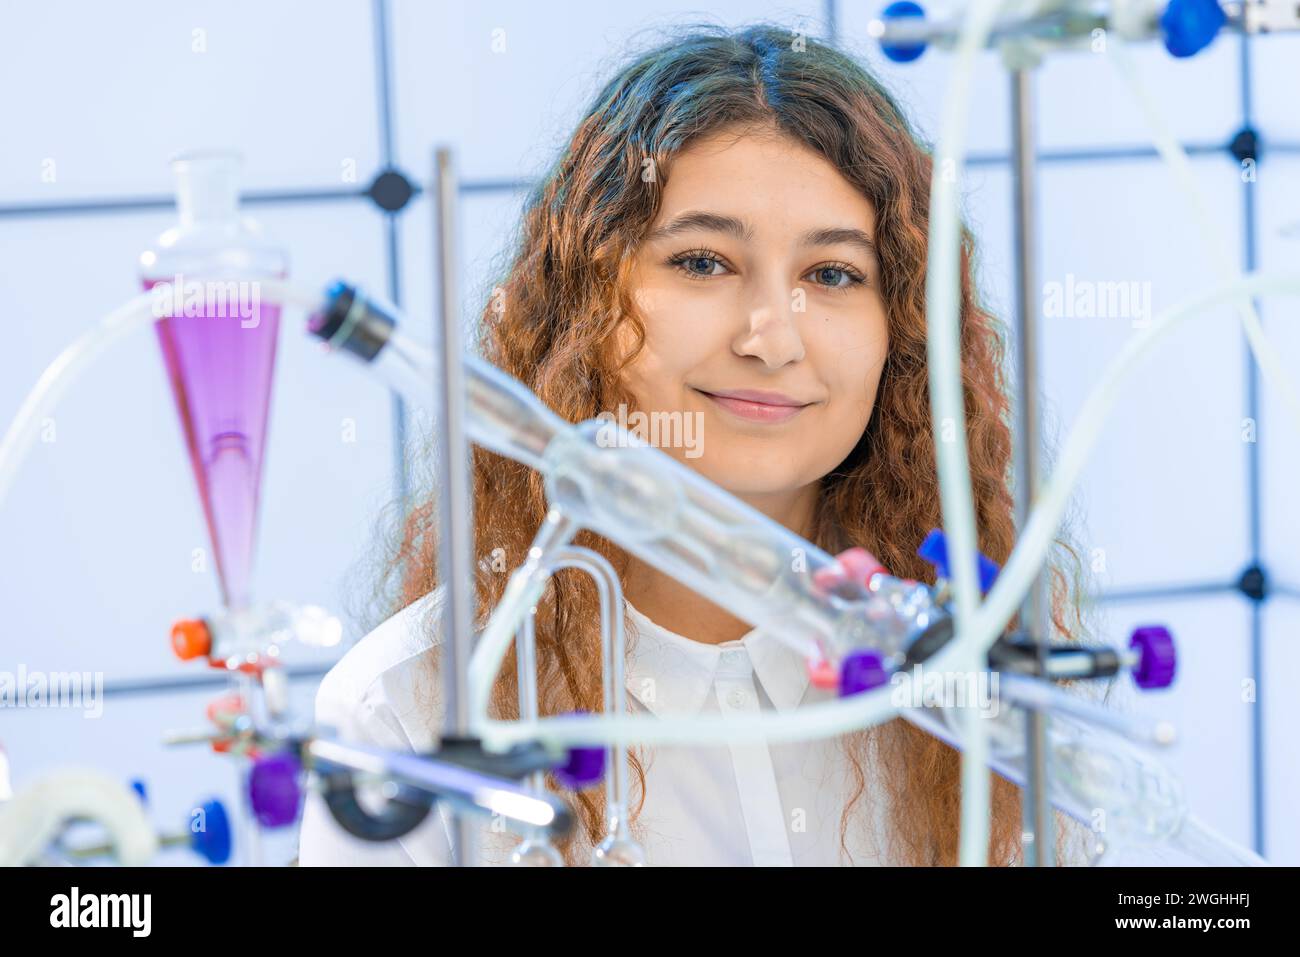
{"points": [[221, 365]]}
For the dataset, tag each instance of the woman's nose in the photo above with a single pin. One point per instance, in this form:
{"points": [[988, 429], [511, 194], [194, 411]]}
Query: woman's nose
{"points": [[770, 329]]}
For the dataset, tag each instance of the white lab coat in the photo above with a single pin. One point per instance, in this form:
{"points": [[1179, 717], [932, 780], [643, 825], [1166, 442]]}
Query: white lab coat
{"points": [[743, 804]]}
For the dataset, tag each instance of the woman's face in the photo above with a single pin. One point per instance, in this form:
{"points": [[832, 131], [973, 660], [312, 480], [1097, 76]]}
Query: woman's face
{"points": [[759, 288]]}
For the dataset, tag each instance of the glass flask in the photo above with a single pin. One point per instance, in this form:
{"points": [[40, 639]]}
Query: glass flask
{"points": [[218, 343]]}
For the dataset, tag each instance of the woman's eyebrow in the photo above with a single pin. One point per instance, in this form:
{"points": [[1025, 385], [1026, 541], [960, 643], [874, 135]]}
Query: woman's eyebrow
{"points": [[699, 219], [840, 234], [719, 223]]}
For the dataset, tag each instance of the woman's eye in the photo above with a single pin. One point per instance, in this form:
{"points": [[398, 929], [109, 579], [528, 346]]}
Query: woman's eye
{"points": [[702, 265], [835, 277], [696, 265]]}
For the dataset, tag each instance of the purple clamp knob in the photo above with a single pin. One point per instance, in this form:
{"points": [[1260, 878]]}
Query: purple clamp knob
{"points": [[584, 767], [861, 671], [274, 791], [1157, 659]]}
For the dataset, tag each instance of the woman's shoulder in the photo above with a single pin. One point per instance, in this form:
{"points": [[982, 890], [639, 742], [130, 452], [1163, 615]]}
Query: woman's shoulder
{"points": [[384, 690]]}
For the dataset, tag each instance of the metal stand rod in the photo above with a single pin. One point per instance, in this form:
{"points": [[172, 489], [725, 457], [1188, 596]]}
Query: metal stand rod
{"points": [[455, 495], [1039, 824], [471, 791]]}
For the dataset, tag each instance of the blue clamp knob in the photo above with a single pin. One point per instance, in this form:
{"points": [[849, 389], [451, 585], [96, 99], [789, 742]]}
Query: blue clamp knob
{"points": [[212, 843], [1189, 26], [935, 551], [902, 52]]}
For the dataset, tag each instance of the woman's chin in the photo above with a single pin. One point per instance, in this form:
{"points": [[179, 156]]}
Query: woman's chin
{"points": [[750, 483]]}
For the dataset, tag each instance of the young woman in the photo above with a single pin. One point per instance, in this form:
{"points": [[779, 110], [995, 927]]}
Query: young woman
{"points": [[735, 234]]}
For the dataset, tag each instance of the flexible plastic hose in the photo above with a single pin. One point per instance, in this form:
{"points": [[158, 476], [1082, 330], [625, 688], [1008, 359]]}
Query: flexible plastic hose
{"points": [[943, 347]]}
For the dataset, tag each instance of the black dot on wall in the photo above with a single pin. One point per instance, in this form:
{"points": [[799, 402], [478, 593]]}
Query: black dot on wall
{"points": [[391, 190]]}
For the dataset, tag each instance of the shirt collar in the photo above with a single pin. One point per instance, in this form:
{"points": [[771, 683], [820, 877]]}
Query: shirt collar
{"points": [[672, 674]]}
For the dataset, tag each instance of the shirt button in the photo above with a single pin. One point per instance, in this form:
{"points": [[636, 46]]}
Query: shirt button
{"points": [[737, 698]]}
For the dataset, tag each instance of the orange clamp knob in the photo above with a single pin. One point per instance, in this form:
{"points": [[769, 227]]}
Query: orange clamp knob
{"points": [[191, 638]]}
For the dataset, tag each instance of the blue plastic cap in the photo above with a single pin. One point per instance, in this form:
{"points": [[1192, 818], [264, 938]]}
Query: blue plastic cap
{"points": [[138, 786], [213, 842], [1189, 26], [337, 288], [902, 52], [935, 551]]}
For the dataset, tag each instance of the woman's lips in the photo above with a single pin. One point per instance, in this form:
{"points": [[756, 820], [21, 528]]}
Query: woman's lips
{"points": [[747, 406]]}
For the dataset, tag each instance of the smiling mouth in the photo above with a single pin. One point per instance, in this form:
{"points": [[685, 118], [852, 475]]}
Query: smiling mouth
{"points": [[754, 410]]}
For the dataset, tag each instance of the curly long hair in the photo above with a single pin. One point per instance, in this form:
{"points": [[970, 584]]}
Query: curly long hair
{"points": [[565, 290]]}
